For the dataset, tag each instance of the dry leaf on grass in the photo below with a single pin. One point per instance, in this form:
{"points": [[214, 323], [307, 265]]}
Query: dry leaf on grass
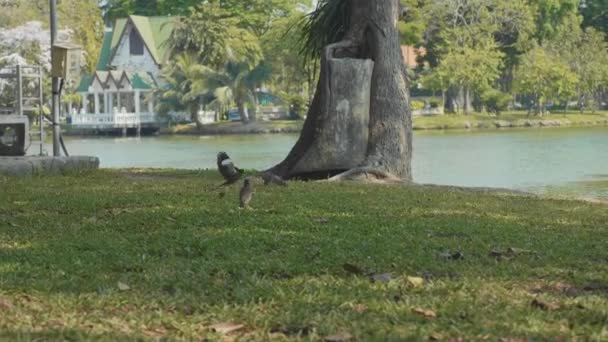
{"points": [[226, 328], [321, 220], [415, 282], [381, 277], [123, 287], [451, 255], [545, 306], [339, 337], [429, 314], [5, 304], [155, 332]]}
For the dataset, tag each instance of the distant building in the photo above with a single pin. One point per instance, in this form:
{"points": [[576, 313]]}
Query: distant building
{"points": [[120, 92], [411, 54]]}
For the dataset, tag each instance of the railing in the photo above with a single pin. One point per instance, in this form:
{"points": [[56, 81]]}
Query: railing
{"points": [[116, 120]]}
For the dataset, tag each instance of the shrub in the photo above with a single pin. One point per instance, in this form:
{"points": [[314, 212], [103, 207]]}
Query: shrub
{"points": [[417, 105], [495, 100]]}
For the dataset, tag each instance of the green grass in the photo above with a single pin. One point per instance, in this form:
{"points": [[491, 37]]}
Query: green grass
{"points": [[191, 259], [516, 119], [226, 127]]}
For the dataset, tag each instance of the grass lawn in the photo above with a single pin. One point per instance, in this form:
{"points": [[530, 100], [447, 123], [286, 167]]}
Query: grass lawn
{"points": [[144, 255], [516, 119], [226, 127]]}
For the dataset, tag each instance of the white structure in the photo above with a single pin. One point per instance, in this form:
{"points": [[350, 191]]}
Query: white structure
{"points": [[120, 94]]}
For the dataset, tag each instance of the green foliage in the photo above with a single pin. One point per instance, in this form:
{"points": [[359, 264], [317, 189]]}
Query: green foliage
{"points": [[190, 259], [551, 14], [182, 90], [289, 74], [297, 104], [495, 101], [595, 14], [417, 105], [327, 24], [545, 77], [82, 17], [215, 35]]}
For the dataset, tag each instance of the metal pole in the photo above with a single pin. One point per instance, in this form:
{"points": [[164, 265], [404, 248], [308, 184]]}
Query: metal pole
{"points": [[19, 105], [41, 108], [56, 99]]}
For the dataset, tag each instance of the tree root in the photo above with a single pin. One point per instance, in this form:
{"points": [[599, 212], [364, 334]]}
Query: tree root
{"points": [[367, 175]]}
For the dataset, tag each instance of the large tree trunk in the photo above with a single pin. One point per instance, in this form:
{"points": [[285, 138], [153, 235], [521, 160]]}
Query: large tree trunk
{"points": [[242, 112], [197, 120], [372, 35]]}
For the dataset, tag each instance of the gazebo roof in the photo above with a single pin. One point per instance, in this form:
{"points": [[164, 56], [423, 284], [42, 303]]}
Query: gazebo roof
{"points": [[137, 80]]}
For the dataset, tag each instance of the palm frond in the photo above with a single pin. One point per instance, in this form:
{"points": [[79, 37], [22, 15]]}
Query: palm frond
{"points": [[327, 24]]}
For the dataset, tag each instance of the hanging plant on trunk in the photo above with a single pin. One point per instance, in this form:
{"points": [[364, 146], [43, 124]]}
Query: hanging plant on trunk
{"points": [[359, 123]]}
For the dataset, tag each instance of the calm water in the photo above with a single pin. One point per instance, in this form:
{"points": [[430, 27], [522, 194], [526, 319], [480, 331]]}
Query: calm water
{"points": [[559, 161]]}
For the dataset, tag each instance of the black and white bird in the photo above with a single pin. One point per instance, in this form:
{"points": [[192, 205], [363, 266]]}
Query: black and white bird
{"points": [[246, 193], [226, 167], [272, 179]]}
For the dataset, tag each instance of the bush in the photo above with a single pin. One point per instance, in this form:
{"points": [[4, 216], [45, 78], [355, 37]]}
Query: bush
{"points": [[297, 104], [435, 103], [495, 100], [417, 105]]}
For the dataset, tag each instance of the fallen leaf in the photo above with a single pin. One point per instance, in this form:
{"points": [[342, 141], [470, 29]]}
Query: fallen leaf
{"points": [[381, 277], [339, 337], [5, 304], [545, 306], [226, 328], [451, 256], [123, 287], [518, 251], [155, 332], [435, 337], [415, 282], [429, 314], [350, 268], [321, 220], [509, 253]]}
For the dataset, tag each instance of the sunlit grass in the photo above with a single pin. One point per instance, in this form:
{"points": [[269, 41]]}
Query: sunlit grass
{"points": [[517, 119], [190, 259]]}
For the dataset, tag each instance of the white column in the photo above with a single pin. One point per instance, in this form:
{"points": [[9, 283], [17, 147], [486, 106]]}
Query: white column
{"points": [[96, 103], [151, 103], [85, 102], [136, 101], [110, 103], [119, 106]]}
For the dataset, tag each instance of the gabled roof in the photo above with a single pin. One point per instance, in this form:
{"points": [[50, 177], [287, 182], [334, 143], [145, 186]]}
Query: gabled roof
{"points": [[138, 80], [154, 31], [106, 50]]}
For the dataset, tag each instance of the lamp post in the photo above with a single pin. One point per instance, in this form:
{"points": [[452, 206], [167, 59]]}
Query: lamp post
{"points": [[55, 82]]}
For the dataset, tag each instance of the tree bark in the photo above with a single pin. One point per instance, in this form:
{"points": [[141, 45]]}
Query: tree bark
{"points": [[372, 35], [242, 112]]}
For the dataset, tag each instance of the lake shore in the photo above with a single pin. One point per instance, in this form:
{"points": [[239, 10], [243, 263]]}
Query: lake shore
{"points": [[474, 121]]}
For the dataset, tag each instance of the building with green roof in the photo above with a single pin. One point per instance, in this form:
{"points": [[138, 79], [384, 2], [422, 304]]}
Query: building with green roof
{"points": [[129, 69]]}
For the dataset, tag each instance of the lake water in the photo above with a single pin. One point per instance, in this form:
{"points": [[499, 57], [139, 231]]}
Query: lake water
{"points": [[566, 161]]}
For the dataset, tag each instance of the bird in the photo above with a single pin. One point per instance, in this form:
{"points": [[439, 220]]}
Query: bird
{"points": [[246, 193], [227, 169], [270, 179]]}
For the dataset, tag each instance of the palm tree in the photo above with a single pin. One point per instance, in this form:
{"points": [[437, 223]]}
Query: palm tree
{"points": [[236, 83], [183, 89]]}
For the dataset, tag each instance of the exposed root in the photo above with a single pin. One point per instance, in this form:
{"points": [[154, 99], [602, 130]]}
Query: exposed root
{"points": [[367, 175]]}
